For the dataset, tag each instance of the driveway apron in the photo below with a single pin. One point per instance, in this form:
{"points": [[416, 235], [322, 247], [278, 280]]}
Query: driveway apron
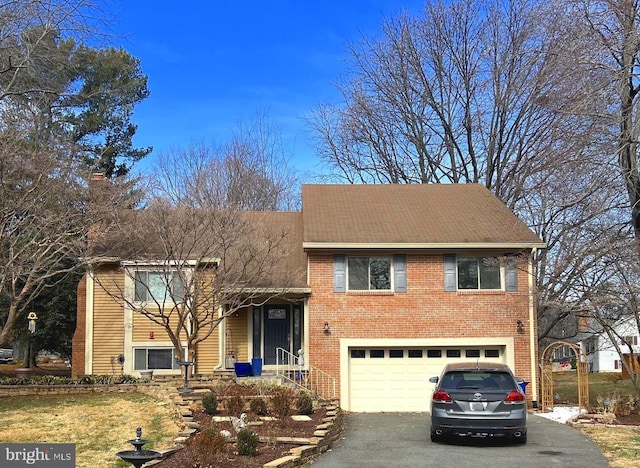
{"points": [[402, 440]]}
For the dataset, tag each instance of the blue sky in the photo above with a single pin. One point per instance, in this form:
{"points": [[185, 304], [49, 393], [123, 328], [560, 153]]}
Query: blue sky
{"points": [[213, 64]]}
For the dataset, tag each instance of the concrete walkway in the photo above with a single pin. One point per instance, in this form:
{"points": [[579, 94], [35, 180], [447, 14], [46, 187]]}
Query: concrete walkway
{"points": [[402, 440]]}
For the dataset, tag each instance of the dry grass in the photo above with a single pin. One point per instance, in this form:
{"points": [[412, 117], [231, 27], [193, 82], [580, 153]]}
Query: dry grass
{"points": [[99, 424], [621, 446]]}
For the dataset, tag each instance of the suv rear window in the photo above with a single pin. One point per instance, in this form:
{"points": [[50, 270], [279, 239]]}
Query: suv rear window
{"points": [[477, 380]]}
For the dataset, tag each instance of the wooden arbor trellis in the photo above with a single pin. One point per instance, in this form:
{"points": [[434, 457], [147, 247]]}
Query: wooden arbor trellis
{"points": [[547, 375]]}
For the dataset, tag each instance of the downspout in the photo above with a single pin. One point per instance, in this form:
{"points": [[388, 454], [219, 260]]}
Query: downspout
{"points": [[221, 345], [532, 330]]}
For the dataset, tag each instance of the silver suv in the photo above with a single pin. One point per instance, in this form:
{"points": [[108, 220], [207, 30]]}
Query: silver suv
{"points": [[478, 400]]}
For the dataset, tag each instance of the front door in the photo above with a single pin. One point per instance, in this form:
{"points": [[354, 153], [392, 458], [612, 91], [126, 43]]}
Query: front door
{"points": [[277, 331]]}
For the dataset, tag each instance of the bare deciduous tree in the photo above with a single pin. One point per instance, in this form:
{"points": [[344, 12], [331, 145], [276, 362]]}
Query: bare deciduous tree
{"points": [[189, 264], [250, 172], [42, 224], [457, 95]]}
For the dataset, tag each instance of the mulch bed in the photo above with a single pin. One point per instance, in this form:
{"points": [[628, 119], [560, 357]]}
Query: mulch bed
{"points": [[268, 449]]}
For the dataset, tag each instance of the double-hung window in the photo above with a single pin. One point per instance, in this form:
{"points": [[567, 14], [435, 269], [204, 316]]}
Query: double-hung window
{"points": [[155, 358], [467, 272], [369, 273], [158, 286], [478, 273]]}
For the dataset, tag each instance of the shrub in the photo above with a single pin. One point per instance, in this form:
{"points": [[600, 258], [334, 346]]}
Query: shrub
{"points": [[206, 445], [234, 405], [210, 403], [281, 403], [304, 404], [247, 442], [258, 406]]}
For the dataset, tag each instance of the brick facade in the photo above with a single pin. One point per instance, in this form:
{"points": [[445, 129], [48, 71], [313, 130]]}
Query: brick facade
{"points": [[425, 311]]}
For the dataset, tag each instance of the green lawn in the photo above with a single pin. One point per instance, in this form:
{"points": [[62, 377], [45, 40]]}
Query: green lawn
{"points": [[603, 385]]}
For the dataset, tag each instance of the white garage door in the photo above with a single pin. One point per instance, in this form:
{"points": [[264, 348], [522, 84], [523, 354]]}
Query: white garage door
{"points": [[397, 379]]}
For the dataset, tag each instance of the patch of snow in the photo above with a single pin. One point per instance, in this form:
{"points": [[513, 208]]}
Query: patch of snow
{"points": [[561, 414]]}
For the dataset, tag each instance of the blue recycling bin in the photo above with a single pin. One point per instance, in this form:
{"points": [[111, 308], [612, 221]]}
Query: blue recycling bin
{"points": [[243, 369], [522, 384], [256, 367]]}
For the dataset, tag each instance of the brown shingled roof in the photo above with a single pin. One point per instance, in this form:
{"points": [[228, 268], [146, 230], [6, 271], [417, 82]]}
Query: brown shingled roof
{"points": [[418, 215]]}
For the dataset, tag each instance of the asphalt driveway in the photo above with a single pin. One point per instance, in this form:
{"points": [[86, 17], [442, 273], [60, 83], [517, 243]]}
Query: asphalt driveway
{"points": [[402, 440]]}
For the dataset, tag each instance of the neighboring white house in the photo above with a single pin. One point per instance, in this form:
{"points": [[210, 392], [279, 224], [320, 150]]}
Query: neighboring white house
{"points": [[600, 351]]}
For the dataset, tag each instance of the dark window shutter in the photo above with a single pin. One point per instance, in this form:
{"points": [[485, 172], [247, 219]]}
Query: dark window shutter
{"points": [[511, 277], [339, 273], [400, 272], [449, 272]]}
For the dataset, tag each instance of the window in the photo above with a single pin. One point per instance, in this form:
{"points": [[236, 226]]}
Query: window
{"points": [[472, 353], [491, 353], [630, 340], [154, 358], [369, 273], [158, 286], [478, 273], [451, 353], [396, 353], [434, 353], [376, 353], [357, 353], [415, 353]]}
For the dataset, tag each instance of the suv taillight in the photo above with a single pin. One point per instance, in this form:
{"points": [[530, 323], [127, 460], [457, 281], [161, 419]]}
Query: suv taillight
{"points": [[514, 397], [442, 397]]}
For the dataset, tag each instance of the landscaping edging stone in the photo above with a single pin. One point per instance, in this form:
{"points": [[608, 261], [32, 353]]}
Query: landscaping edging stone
{"points": [[327, 432], [66, 389], [594, 420]]}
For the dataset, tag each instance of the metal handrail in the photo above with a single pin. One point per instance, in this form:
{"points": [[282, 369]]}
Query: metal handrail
{"points": [[292, 369]]}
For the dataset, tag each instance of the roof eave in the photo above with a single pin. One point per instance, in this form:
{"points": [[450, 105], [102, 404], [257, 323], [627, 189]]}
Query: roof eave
{"points": [[424, 246]]}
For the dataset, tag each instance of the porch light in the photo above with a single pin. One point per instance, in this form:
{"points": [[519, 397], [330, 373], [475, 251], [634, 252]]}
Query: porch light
{"points": [[327, 328], [520, 326]]}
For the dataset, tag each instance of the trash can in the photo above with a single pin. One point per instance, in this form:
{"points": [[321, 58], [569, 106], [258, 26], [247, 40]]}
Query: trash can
{"points": [[256, 367]]}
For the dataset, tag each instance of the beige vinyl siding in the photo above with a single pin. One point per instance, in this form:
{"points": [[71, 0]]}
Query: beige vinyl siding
{"points": [[108, 322], [236, 335], [207, 355], [207, 351], [143, 326]]}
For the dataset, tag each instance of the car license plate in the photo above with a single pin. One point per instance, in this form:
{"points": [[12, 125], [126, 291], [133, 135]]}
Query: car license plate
{"points": [[478, 406]]}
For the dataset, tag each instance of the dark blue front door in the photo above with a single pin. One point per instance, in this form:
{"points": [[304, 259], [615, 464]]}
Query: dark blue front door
{"points": [[277, 331]]}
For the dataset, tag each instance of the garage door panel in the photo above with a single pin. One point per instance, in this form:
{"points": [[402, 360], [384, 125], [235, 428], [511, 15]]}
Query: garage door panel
{"points": [[387, 383]]}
